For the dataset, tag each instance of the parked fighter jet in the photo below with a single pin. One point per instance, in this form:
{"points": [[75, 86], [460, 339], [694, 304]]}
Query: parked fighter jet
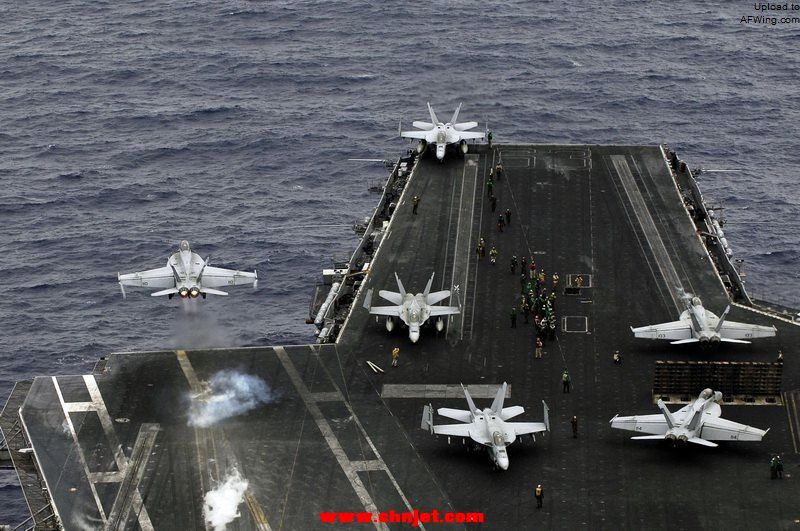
{"points": [[187, 275], [487, 427], [697, 423], [698, 325], [442, 134], [413, 310]]}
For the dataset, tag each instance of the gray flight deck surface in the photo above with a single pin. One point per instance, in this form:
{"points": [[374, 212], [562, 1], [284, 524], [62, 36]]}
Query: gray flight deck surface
{"points": [[329, 440]]}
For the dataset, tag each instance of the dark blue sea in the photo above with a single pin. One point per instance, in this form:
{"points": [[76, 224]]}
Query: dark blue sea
{"points": [[128, 126]]}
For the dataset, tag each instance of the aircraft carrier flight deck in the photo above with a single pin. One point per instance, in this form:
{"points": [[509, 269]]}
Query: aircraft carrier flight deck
{"points": [[621, 225]]}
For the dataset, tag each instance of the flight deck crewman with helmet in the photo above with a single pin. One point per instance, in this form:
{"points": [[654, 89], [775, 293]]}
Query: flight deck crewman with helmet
{"points": [[539, 493], [395, 356]]}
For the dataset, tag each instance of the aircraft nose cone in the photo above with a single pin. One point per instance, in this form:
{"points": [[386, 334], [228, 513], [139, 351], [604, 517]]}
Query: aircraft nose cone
{"points": [[413, 335]]}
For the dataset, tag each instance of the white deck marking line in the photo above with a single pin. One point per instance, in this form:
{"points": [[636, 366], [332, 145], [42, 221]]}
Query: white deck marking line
{"points": [[79, 450], [333, 396], [128, 498], [443, 391], [762, 312], [106, 477], [328, 435], [363, 287], [449, 227], [372, 464], [791, 412], [116, 447], [207, 435], [469, 251], [648, 226]]}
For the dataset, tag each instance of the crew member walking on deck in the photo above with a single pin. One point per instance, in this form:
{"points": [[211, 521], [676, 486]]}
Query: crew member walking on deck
{"points": [[574, 422], [565, 381], [508, 216], [513, 317], [395, 356], [539, 346], [415, 201], [539, 493], [500, 223], [493, 255], [514, 265], [617, 358]]}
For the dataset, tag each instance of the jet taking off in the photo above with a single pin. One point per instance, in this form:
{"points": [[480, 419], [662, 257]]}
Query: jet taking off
{"points": [[413, 310], [487, 427], [697, 423], [442, 134], [698, 325], [187, 275]]}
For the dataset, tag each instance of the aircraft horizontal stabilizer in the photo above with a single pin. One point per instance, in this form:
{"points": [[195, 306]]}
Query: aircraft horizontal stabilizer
{"points": [[464, 126], [423, 125], [703, 442], [168, 291], [211, 291], [684, 341], [437, 296], [455, 414], [730, 340], [647, 437], [391, 296]]}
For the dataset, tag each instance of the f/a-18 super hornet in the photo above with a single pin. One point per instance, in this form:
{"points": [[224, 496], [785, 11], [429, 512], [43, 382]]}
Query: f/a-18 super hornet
{"points": [[487, 427], [441, 134], [412, 309], [698, 325], [187, 275], [697, 423]]}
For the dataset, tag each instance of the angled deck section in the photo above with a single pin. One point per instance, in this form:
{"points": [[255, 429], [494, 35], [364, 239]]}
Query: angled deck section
{"points": [[117, 448]]}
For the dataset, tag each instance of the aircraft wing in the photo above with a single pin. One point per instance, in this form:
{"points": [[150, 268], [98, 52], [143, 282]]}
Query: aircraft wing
{"points": [[422, 135], [393, 311], [719, 429], [676, 330], [467, 135], [162, 277], [524, 428], [217, 277], [462, 430], [444, 310], [734, 330], [653, 424]]}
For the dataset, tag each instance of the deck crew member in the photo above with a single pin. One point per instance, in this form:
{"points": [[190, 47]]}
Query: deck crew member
{"points": [[513, 317], [508, 216], [500, 223], [574, 422], [539, 346], [416, 204], [617, 358], [565, 381], [514, 265], [493, 255], [539, 493], [395, 356]]}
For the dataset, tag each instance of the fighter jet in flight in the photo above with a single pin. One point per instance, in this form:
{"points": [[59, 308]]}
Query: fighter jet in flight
{"points": [[488, 426], [187, 275], [412, 309], [698, 325], [697, 423], [441, 134]]}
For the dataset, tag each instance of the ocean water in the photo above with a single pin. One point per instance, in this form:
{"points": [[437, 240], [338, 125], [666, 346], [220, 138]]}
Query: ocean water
{"points": [[128, 126]]}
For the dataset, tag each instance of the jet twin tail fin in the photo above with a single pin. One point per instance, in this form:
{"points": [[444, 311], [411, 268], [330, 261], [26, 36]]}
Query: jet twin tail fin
{"points": [[667, 415], [497, 404], [427, 418], [470, 403], [400, 285], [454, 119], [434, 119], [428, 285], [722, 319]]}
